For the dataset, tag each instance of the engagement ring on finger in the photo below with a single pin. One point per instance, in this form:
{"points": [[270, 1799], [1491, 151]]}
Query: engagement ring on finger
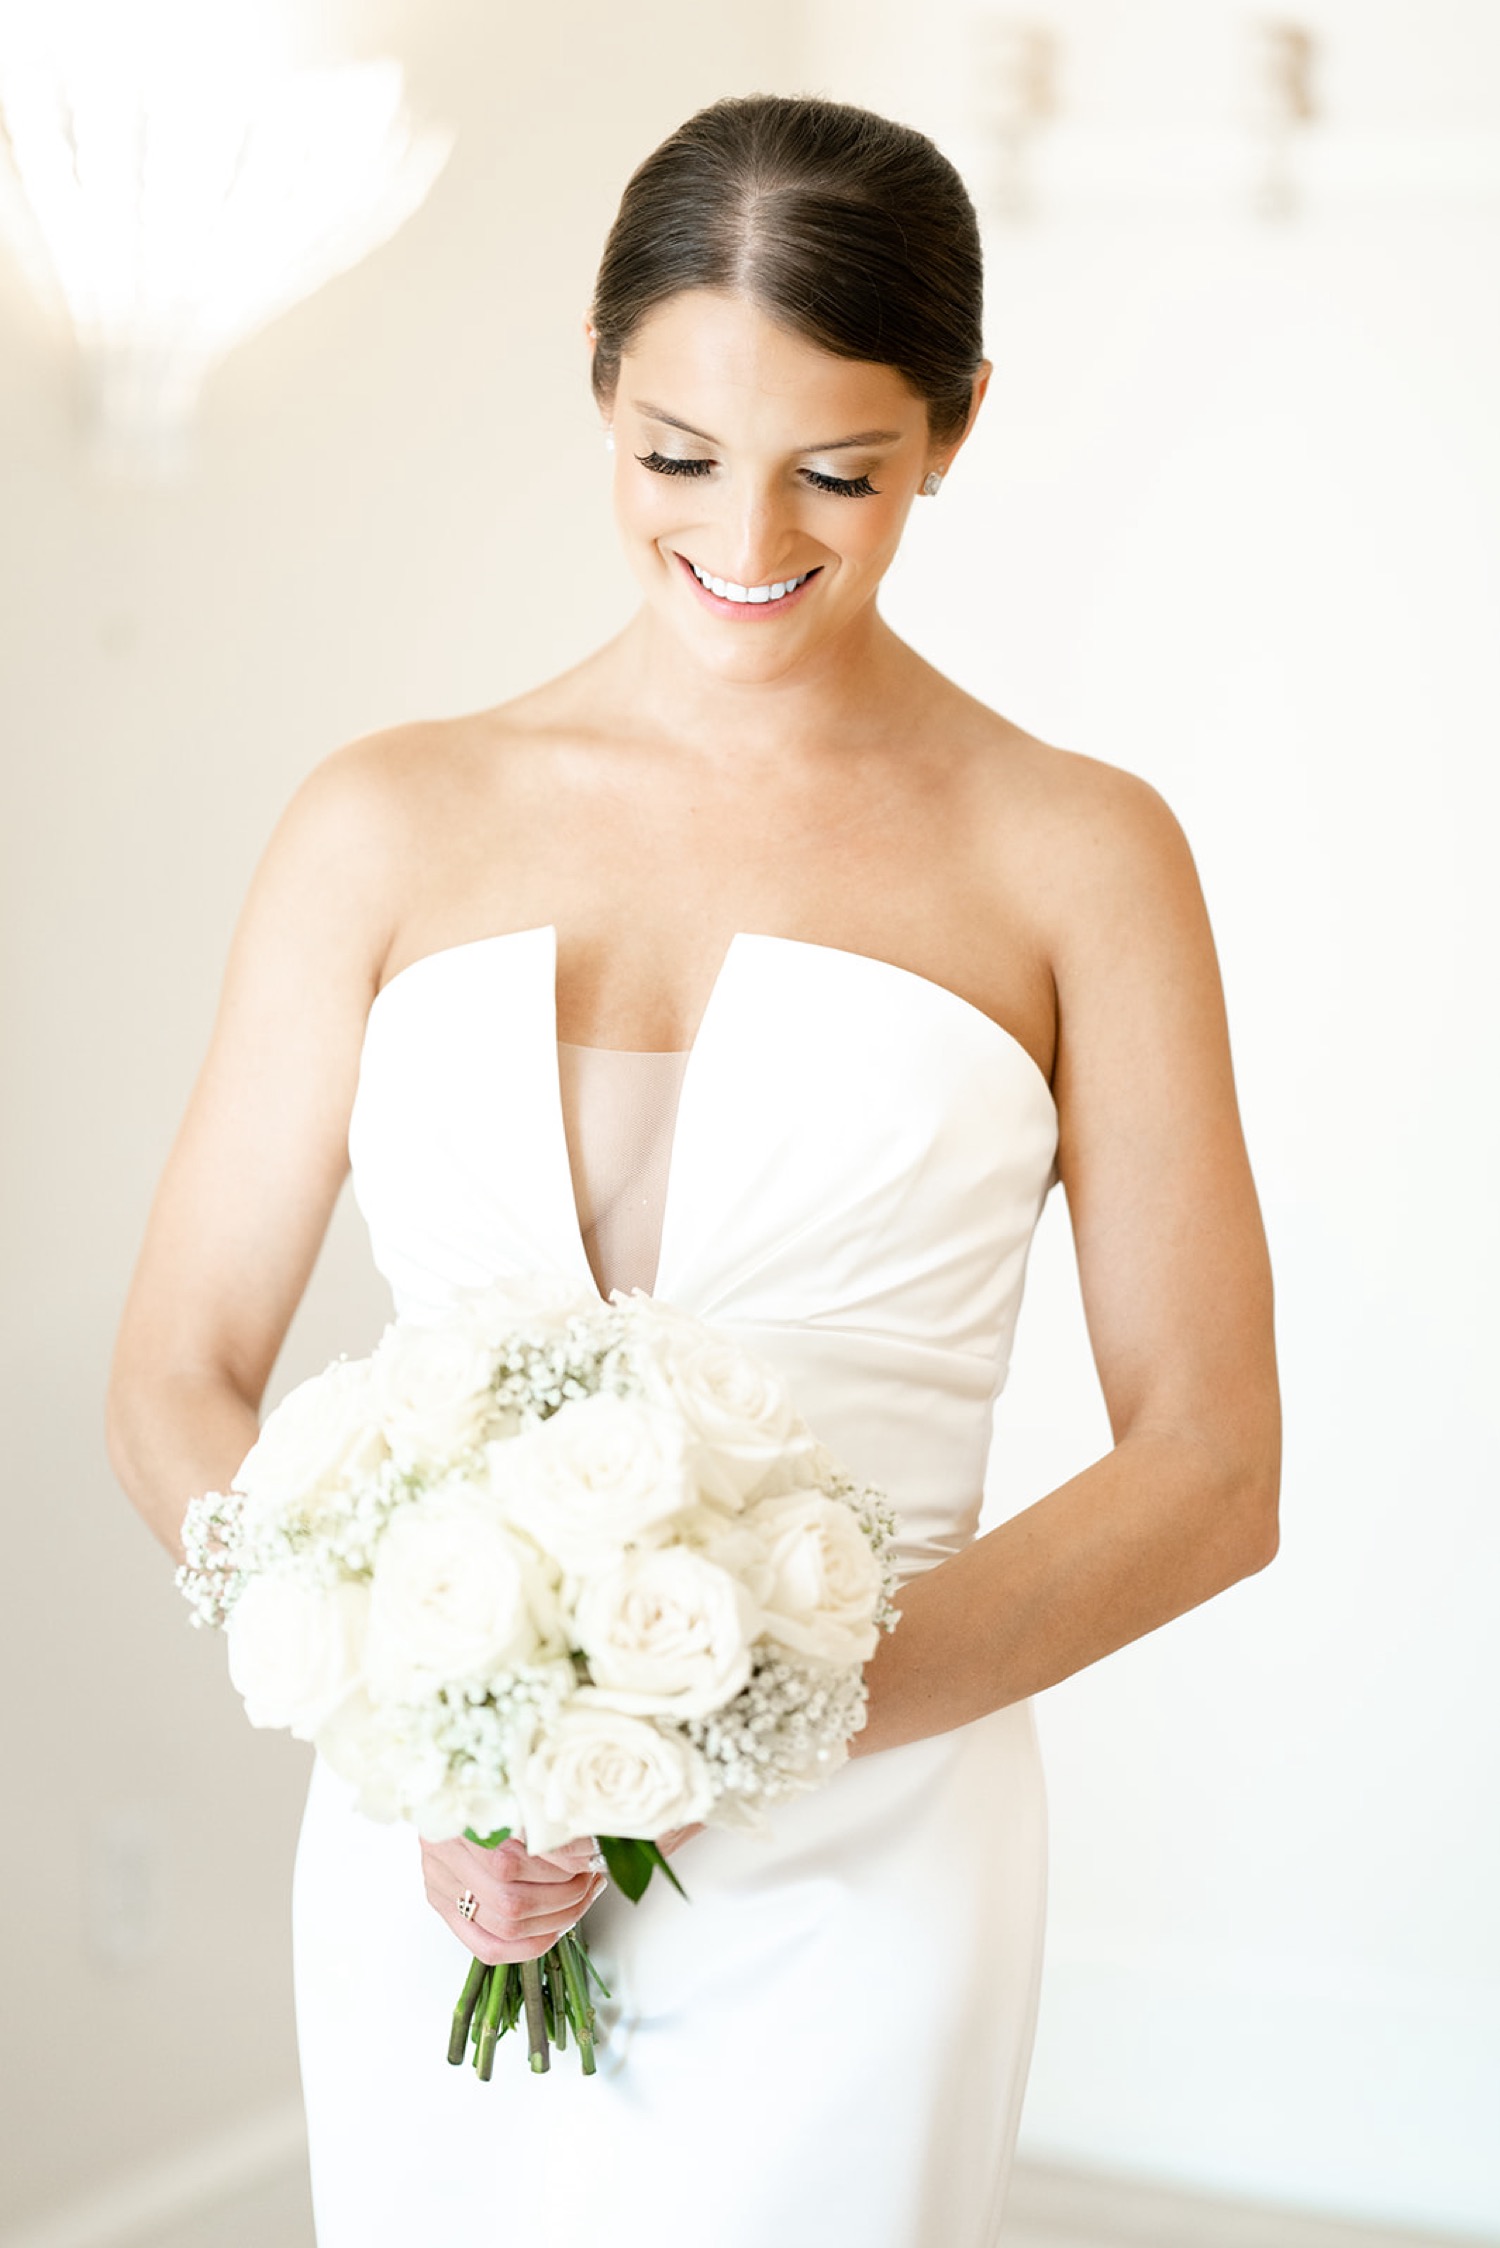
{"points": [[468, 1905]]}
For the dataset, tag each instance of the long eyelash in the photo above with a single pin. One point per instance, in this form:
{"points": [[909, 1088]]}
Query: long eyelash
{"points": [[666, 465], [851, 487], [847, 487]]}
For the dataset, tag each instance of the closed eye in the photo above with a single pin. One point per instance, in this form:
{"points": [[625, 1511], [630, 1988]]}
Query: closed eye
{"points": [[666, 464], [846, 487], [850, 487]]}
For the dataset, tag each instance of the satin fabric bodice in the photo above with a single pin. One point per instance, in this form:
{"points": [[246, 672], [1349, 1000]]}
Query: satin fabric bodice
{"points": [[858, 1161]]}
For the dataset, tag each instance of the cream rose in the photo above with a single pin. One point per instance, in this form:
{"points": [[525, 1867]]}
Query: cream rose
{"points": [[295, 1650], [483, 1805], [823, 1585], [387, 1756], [739, 1409], [434, 1390], [665, 1633], [453, 1595], [508, 1306], [598, 1771], [604, 1473], [325, 1433]]}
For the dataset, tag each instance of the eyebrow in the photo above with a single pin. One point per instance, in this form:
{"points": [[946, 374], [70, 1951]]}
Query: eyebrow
{"points": [[831, 445]]}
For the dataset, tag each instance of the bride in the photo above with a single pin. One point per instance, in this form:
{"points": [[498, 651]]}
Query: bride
{"points": [[754, 963]]}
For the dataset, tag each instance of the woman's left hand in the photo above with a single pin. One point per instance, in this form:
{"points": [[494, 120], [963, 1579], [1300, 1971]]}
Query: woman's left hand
{"points": [[675, 1837]]}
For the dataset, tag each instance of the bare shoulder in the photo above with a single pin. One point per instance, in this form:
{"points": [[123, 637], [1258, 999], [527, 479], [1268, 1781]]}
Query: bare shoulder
{"points": [[1111, 898], [359, 835], [361, 796], [1084, 844]]}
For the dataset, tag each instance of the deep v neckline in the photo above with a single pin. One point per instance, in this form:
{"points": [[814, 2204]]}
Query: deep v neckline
{"points": [[687, 1055], [539, 950], [619, 1111]]}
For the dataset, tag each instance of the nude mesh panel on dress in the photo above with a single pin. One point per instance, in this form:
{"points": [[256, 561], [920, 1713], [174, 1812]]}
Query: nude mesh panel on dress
{"points": [[619, 1109]]}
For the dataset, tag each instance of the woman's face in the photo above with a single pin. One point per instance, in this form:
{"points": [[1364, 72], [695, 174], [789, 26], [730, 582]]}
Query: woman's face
{"points": [[761, 484]]}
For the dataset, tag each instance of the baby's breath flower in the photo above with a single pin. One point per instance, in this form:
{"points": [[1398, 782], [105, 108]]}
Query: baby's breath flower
{"points": [[783, 1732]]}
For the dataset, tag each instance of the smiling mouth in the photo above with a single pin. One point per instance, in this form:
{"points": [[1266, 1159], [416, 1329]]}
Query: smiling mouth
{"points": [[747, 596]]}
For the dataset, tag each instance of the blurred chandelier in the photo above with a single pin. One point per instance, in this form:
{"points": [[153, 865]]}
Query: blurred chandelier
{"points": [[177, 216]]}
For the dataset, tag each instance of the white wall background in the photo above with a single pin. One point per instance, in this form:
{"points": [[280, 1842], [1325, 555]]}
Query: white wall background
{"points": [[399, 508], [1230, 521]]}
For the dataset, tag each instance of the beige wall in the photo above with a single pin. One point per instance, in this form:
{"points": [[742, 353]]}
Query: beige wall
{"points": [[397, 509], [1231, 521]]}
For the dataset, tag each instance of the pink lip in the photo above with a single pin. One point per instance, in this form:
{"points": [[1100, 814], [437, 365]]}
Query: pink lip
{"points": [[743, 611]]}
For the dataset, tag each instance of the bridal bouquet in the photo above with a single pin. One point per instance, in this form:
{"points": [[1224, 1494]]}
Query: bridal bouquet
{"points": [[552, 1567]]}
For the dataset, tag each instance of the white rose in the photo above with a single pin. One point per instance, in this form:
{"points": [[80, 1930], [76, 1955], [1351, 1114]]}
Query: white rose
{"points": [[728, 1540], [824, 1580], [387, 1755], [598, 1771], [739, 1409], [602, 1473], [665, 1633], [434, 1390], [453, 1595], [483, 1805], [295, 1649], [324, 1434], [507, 1307]]}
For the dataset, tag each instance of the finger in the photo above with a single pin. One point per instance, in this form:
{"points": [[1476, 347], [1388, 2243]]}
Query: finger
{"points": [[468, 1864], [529, 1905], [510, 1936], [570, 1855], [674, 1840]]}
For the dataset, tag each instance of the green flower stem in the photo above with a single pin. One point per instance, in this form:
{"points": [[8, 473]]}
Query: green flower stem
{"points": [[489, 2020], [553, 1991], [463, 2012], [575, 1983], [557, 1997], [536, 2020]]}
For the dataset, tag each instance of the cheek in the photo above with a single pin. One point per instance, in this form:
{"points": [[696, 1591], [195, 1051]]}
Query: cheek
{"points": [[648, 508], [872, 536]]}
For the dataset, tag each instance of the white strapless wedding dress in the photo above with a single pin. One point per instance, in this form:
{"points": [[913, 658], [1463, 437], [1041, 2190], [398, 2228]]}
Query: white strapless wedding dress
{"points": [[826, 2047]]}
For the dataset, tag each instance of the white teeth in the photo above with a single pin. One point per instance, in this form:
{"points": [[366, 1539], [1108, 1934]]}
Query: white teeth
{"points": [[727, 590]]}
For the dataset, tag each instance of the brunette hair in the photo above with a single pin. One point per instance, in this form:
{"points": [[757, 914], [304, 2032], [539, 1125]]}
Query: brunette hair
{"points": [[855, 232]]}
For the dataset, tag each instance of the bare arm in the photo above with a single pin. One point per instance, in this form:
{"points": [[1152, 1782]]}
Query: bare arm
{"points": [[247, 1192], [1177, 1292]]}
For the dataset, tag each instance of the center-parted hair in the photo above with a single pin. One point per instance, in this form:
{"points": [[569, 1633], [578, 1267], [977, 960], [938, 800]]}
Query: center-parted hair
{"points": [[853, 231]]}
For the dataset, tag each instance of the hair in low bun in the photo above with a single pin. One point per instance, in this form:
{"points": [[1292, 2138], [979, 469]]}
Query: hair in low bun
{"points": [[853, 231]]}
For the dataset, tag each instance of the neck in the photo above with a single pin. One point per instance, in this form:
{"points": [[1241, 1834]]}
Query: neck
{"points": [[849, 692]]}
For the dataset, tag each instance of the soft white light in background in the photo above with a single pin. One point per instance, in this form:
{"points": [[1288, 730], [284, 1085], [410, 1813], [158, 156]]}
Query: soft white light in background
{"points": [[175, 201]]}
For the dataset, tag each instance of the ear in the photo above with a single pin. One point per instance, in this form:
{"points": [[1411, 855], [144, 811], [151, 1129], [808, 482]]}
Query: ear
{"points": [[950, 450], [976, 399], [591, 333]]}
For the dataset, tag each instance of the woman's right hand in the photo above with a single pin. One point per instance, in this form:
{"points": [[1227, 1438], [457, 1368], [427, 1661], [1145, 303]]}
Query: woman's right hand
{"points": [[525, 1902]]}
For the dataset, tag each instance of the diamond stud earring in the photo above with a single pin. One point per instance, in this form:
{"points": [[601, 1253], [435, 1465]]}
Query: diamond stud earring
{"points": [[932, 483], [609, 441]]}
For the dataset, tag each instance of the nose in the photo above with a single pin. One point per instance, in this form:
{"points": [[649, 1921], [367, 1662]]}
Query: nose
{"points": [[759, 531]]}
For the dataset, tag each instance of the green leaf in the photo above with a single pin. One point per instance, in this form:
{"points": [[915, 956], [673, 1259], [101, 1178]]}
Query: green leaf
{"points": [[658, 1860], [488, 1841], [631, 1864], [629, 1867]]}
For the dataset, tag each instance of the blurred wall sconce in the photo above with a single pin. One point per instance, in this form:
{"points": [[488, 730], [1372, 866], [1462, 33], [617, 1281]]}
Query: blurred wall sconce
{"points": [[1018, 70], [1283, 105], [174, 218]]}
